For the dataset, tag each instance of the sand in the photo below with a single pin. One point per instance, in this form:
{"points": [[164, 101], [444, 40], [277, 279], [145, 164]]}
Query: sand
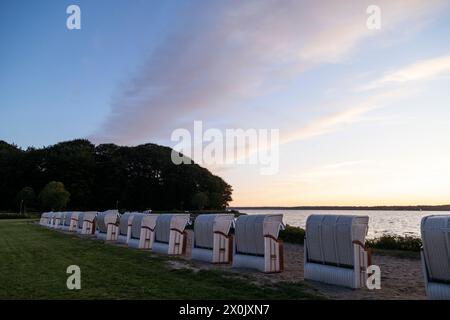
{"points": [[401, 278]]}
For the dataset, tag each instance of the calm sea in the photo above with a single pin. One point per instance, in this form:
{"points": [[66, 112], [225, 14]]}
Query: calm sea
{"points": [[380, 222]]}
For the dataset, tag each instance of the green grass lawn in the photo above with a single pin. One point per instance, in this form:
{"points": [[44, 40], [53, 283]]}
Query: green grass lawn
{"points": [[33, 263]]}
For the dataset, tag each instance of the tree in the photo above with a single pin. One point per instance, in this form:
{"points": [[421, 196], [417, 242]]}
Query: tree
{"points": [[25, 198], [96, 177], [54, 196], [200, 200], [215, 201]]}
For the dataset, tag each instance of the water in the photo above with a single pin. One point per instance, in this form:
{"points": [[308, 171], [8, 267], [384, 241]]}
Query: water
{"points": [[380, 222]]}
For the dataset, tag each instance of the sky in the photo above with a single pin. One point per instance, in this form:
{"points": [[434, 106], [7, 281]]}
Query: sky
{"points": [[362, 114]]}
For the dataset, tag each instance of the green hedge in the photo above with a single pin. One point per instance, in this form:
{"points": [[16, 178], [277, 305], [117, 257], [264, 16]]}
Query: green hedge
{"points": [[293, 234], [391, 242], [386, 242]]}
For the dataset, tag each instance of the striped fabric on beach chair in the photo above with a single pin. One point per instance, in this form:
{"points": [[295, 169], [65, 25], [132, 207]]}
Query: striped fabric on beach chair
{"points": [[170, 234], [86, 222], [435, 232], [256, 243], [107, 225], [335, 251], [212, 240], [143, 231]]}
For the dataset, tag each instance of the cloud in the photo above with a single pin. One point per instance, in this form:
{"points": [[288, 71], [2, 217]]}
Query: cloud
{"points": [[349, 114], [221, 54], [428, 69]]}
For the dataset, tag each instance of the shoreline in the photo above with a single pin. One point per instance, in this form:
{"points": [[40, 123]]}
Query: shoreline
{"points": [[350, 208]]}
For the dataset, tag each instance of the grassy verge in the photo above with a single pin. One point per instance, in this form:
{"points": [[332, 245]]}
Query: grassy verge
{"points": [[33, 263], [8, 216]]}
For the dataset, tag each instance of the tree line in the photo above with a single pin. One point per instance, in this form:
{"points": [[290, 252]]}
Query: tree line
{"points": [[77, 175]]}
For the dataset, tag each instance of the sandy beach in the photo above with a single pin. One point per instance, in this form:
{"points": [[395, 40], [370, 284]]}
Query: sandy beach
{"points": [[401, 278]]}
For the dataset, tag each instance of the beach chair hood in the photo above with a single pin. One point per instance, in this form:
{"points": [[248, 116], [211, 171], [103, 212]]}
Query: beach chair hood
{"points": [[86, 216], [106, 218], [66, 218], [206, 224], [330, 238], [140, 221], [166, 222], [435, 232], [125, 220], [250, 231], [75, 215]]}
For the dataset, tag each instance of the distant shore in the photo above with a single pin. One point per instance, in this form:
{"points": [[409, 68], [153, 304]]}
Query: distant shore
{"points": [[445, 207]]}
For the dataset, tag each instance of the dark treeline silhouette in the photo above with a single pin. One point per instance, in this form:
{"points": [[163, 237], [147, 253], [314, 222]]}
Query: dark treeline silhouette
{"points": [[99, 177]]}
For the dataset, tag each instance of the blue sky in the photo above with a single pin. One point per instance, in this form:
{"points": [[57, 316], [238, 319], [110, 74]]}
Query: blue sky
{"points": [[362, 113]]}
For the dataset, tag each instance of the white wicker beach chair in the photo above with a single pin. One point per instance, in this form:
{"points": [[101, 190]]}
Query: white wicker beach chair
{"points": [[335, 251], [74, 221], [143, 231], [65, 221], [51, 219], [256, 243], [170, 234], [86, 222], [212, 240], [124, 231], [435, 231], [45, 217], [57, 220], [107, 225]]}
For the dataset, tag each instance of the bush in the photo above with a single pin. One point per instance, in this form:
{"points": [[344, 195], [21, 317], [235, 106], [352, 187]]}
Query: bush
{"points": [[392, 242], [293, 234], [54, 196]]}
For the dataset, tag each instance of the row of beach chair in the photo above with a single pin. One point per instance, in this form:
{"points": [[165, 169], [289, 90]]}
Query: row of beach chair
{"points": [[335, 251], [255, 244]]}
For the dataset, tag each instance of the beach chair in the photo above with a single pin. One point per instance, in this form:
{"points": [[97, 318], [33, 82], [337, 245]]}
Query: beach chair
{"points": [[212, 240], [107, 225], [45, 217], [170, 234], [124, 231], [50, 221], [143, 231], [74, 221], [335, 251], [57, 220], [435, 253], [66, 219], [86, 222], [256, 243]]}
